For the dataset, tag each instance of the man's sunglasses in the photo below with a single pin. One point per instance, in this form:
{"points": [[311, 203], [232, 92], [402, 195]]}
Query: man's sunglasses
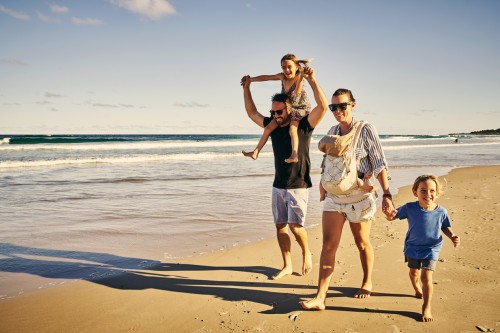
{"points": [[278, 112], [341, 106]]}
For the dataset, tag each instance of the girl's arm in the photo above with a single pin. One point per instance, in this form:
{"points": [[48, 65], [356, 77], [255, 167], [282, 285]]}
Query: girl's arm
{"points": [[451, 235], [260, 78]]}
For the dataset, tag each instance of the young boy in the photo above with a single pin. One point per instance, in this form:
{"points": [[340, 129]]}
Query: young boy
{"points": [[426, 220]]}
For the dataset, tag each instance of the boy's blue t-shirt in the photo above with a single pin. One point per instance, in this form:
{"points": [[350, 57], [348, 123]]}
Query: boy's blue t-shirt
{"points": [[424, 238]]}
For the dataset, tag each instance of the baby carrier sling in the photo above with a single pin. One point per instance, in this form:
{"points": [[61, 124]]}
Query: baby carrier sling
{"points": [[339, 167]]}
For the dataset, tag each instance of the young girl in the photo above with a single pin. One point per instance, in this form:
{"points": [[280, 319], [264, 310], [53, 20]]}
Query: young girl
{"points": [[426, 220], [292, 83]]}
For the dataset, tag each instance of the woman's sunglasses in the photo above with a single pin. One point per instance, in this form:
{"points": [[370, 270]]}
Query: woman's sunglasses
{"points": [[340, 106]]}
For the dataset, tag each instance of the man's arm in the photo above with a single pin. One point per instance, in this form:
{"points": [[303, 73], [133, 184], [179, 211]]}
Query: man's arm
{"points": [[249, 104], [319, 111]]}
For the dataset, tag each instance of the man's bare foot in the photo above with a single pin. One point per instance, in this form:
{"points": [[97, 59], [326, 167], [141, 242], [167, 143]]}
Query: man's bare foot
{"points": [[419, 294], [426, 315], [313, 304], [253, 154], [294, 158], [307, 264], [284, 272], [363, 293]]}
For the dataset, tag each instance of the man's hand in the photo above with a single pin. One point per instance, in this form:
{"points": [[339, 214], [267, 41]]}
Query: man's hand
{"points": [[245, 80]]}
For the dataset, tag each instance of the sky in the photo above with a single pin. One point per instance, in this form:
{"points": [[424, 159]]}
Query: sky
{"points": [[174, 67]]}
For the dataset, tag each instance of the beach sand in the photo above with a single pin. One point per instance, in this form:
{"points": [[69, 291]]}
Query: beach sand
{"points": [[230, 291]]}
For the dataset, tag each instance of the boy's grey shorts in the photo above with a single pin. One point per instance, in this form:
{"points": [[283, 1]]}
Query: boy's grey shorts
{"points": [[290, 205], [421, 263]]}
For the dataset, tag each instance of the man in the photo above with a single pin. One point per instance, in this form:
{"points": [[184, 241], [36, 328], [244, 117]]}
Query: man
{"points": [[292, 180]]}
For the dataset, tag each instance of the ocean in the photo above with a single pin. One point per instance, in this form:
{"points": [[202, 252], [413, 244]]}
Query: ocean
{"points": [[88, 206]]}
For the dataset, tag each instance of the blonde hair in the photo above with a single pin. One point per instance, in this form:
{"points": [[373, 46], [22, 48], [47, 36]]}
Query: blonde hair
{"points": [[424, 178]]}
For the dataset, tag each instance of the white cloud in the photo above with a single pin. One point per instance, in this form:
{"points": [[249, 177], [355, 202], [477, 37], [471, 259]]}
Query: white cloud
{"points": [[152, 9], [191, 105], [13, 62], [14, 14], [47, 19], [59, 9], [86, 21], [52, 95]]}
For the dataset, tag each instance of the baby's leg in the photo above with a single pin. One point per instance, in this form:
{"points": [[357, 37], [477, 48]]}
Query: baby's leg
{"points": [[294, 157], [263, 139], [415, 282], [428, 290], [365, 186], [322, 192]]}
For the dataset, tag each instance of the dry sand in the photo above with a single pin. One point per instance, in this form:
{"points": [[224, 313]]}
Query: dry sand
{"points": [[230, 291]]}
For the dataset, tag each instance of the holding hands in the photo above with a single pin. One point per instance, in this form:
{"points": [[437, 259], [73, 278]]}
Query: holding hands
{"points": [[245, 80]]}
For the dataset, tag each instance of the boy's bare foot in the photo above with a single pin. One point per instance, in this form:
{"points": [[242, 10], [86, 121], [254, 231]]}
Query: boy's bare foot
{"points": [[426, 315], [313, 304], [284, 272], [294, 158], [253, 154], [365, 291], [307, 264]]}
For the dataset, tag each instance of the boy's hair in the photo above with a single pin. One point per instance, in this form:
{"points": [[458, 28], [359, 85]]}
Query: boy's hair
{"points": [[424, 178], [293, 58], [342, 91]]}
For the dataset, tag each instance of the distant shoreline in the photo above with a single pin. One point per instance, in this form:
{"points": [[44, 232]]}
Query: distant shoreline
{"points": [[483, 132]]}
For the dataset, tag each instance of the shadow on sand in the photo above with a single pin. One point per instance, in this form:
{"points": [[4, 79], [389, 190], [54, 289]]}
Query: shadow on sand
{"points": [[139, 274]]}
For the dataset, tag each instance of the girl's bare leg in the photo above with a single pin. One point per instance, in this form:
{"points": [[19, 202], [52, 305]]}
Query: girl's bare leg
{"points": [[294, 157], [262, 142]]}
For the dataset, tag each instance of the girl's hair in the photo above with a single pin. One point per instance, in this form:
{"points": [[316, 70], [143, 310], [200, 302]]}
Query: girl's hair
{"points": [[293, 58], [342, 91], [424, 178]]}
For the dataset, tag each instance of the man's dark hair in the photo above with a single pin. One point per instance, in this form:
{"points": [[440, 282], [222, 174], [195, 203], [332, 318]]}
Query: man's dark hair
{"points": [[280, 97]]}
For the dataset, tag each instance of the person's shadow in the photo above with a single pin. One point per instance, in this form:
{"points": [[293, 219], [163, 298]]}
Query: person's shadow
{"points": [[144, 274]]}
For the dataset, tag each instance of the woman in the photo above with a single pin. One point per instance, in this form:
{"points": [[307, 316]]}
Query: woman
{"points": [[358, 208]]}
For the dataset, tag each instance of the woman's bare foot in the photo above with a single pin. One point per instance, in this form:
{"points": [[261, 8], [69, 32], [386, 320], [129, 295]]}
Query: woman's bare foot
{"points": [[253, 154], [307, 264], [294, 158], [313, 304], [426, 315], [284, 272]]}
